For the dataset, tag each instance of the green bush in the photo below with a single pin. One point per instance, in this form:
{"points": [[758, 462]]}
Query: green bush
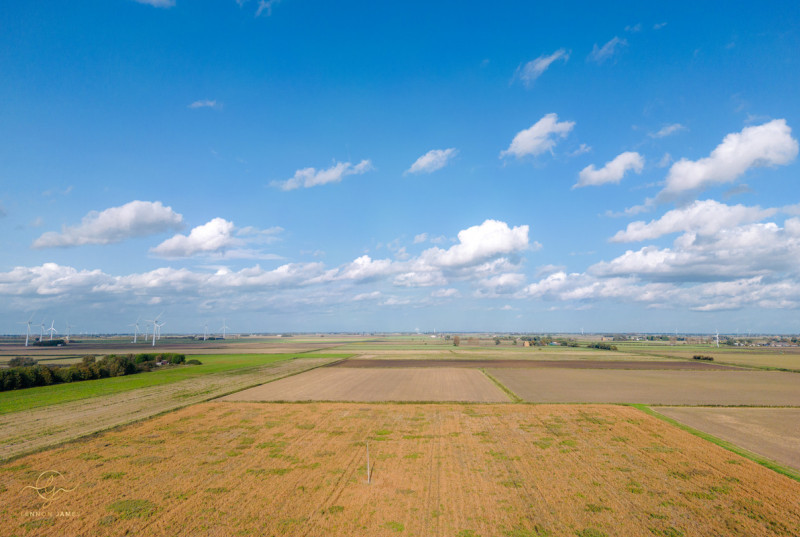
{"points": [[194, 361], [603, 346], [20, 361]]}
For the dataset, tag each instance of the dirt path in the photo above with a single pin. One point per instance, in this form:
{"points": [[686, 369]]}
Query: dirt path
{"points": [[27, 431]]}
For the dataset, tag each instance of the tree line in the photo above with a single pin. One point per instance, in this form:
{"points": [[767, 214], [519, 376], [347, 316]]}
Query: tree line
{"points": [[26, 373]]}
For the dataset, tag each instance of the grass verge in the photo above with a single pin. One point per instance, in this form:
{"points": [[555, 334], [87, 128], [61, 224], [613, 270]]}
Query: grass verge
{"points": [[763, 461], [514, 397]]}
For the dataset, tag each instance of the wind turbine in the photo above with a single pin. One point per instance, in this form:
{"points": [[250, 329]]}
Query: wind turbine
{"points": [[52, 329], [28, 332], [717, 338], [205, 332], [224, 328], [136, 330], [41, 332], [69, 327], [155, 326], [158, 326]]}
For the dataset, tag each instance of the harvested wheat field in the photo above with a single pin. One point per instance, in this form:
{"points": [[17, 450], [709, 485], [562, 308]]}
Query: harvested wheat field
{"points": [[438, 470], [771, 432], [334, 384], [744, 387]]}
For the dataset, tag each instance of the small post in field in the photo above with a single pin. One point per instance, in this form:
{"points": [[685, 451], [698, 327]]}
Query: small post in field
{"points": [[369, 474]]}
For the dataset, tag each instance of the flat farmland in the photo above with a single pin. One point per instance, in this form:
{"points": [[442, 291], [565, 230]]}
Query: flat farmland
{"points": [[495, 352], [778, 358], [771, 432], [757, 388], [350, 384], [438, 470], [24, 431], [532, 364]]}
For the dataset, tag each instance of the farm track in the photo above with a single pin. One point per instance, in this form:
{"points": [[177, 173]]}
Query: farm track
{"points": [[31, 430]]}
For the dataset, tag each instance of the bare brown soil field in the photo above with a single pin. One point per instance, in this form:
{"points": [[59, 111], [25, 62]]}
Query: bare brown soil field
{"points": [[744, 387], [771, 432], [786, 358], [225, 469], [26, 431], [532, 364], [331, 384], [506, 353]]}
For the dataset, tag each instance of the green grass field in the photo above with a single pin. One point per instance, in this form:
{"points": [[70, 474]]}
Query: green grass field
{"points": [[29, 398]]}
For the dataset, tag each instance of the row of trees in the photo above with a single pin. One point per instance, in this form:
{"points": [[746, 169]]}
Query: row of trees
{"points": [[27, 374]]}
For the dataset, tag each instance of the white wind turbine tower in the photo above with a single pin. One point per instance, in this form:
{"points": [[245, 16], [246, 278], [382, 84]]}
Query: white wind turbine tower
{"points": [[28, 332], [224, 328], [205, 332], [136, 330], [69, 327], [52, 329], [158, 327], [717, 338], [41, 331], [155, 326]]}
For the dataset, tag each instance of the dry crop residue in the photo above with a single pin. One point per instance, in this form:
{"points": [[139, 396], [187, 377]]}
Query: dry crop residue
{"points": [[439, 470], [26, 431]]}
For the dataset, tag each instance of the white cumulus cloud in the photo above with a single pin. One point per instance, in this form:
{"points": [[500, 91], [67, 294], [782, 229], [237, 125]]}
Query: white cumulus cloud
{"points": [[540, 137], [532, 70], [433, 160], [480, 243], [213, 236], [134, 219], [770, 144], [612, 172], [308, 177], [703, 217]]}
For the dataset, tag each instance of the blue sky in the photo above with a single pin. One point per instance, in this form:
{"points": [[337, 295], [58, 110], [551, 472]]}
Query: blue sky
{"points": [[312, 166]]}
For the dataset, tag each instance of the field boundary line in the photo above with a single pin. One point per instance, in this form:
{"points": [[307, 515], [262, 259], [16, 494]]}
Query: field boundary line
{"points": [[791, 473], [81, 437], [514, 397]]}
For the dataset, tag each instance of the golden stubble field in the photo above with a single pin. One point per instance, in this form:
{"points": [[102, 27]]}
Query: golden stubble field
{"points": [[460, 470]]}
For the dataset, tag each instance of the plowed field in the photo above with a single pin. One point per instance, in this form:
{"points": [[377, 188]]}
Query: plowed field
{"points": [[744, 387], [439, 470], [347, 384], [535, 364], [771, 432]]}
